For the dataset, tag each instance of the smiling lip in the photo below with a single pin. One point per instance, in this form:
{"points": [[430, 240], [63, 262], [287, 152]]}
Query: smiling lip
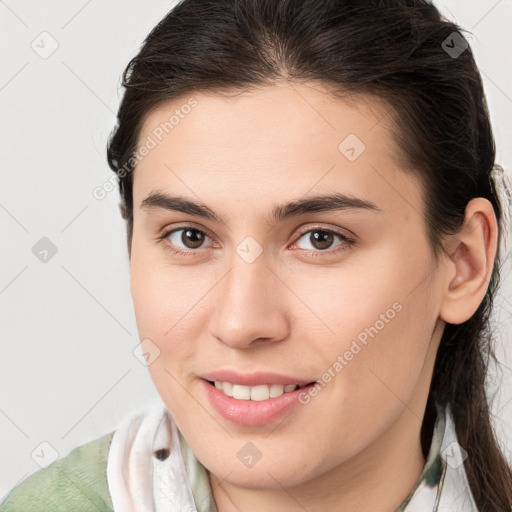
{"points": [[249, 412], [253, 379]]}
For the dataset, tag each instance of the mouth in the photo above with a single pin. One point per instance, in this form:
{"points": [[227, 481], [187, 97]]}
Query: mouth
{"points": [[257, 404], [257, 393]]}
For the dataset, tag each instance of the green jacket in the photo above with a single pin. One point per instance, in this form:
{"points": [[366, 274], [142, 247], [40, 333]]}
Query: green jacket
{"points": [[75, 482]]}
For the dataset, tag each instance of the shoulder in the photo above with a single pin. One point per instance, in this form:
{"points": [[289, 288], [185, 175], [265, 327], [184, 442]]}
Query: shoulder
{"points": [[75, 482]]}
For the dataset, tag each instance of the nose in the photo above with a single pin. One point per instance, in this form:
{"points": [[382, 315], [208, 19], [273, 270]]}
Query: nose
{"points": [[251, 306]]}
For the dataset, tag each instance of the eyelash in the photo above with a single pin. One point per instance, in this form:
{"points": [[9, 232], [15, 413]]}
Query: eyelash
{"points": [[347, 241]]}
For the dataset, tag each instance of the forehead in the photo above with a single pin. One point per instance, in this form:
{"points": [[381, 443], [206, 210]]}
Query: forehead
{"points": [[285, 139]]}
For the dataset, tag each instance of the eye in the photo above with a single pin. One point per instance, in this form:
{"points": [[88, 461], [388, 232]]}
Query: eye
{"points": [[186, 240], [190, 237], [321, 239]]}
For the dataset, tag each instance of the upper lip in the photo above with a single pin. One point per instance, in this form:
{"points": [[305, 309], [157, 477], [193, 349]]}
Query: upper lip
{"points": [[253, 379]]}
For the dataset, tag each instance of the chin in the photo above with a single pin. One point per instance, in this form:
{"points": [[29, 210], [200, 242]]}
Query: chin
{"points": [[274, 472], [262, 478]]}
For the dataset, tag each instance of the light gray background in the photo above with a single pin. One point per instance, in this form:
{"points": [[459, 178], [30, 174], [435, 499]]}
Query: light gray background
{"points": [[67, 372]]}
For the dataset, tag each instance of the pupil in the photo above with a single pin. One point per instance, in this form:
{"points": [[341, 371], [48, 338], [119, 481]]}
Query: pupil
{"points": [[321, 239], [190, 240]]}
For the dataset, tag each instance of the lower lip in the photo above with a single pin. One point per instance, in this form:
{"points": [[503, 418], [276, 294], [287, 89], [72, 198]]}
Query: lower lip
{"points": [[252, 412]]}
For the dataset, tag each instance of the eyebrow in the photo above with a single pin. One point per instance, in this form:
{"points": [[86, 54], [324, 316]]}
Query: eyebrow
{"points": [[314, 204]]}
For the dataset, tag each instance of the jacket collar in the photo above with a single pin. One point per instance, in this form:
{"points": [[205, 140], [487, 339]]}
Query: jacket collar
{"points": [[443, 485]]}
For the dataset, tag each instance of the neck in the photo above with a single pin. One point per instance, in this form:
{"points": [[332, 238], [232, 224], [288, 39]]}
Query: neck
{"points": [[377, 479]]}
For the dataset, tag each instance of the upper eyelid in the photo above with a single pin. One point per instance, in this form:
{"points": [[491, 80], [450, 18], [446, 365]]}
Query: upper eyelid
{"points": [[165, 232], [336, 230]]}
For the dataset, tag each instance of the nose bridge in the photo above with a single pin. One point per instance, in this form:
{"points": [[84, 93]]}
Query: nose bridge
{"points": [[247, 306], [248, 281]]}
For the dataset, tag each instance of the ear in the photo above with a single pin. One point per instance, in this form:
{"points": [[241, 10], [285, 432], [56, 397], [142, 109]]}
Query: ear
{"points": [[470, 256]]}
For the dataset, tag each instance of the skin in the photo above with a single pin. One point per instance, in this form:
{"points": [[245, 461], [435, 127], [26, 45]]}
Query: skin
{"points": [[356, 445]]}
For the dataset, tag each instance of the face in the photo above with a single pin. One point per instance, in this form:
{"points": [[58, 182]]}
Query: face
{"points": [[264, 284]]}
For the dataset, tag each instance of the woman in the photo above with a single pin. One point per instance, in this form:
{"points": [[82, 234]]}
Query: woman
{"points": [[309, 189]]}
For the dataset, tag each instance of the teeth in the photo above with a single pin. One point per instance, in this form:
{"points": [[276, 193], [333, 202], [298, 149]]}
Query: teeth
{"points": [[260, 392], [256, 393], [276, 390], [241, 392], [227, 388]]}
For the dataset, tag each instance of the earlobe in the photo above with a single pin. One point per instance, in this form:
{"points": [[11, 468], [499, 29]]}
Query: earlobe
{"points": [[469, 259]]}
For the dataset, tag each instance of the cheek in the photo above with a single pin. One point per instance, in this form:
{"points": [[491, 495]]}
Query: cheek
{"points": [[166, 310], [163, 306], [380, 317], [164, 296], [373, 363], [375, 292]]}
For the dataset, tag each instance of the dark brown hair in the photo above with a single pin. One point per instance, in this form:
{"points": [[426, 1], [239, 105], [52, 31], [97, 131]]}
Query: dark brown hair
{"points": [[407, 54]]}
